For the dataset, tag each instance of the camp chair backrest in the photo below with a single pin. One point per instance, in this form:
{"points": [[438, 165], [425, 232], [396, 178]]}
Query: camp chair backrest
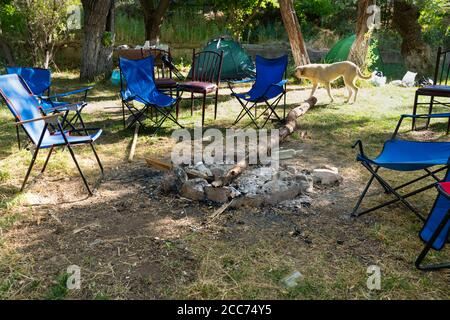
{"points": [[269, 71], [37, 79], [138, 75], [206, 66], [442, 71], [23, 104]]}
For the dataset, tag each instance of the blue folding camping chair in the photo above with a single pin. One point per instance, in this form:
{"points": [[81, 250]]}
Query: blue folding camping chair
{"points": [[25, 107], [435, 232], [269, 85], [402, 155], [137, 84], [39, 82]]}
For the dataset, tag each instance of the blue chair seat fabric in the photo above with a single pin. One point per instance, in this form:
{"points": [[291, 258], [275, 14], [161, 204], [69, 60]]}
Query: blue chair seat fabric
{"points": [[402, 155], [57, 139], [155, 98]]}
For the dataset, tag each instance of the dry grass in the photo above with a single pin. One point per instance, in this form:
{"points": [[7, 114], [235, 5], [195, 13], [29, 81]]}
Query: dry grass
{"points": [[138, 243]]}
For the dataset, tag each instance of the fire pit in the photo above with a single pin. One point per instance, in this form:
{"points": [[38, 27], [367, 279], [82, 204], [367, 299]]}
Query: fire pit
{"points": [[257, 186]]}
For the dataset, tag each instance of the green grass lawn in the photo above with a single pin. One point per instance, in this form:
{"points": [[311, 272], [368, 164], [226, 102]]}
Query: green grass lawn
{"points": [[136, 243]]}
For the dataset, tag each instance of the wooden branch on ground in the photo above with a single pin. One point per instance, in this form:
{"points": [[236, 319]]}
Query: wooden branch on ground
{"points": [[134, 143], [286, 130], [158, 164]]}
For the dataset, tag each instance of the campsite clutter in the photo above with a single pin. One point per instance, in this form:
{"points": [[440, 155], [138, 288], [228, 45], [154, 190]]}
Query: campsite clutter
{"points": [[152, 88]]}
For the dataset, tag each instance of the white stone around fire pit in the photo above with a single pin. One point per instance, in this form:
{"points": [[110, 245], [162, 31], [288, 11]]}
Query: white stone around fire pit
{"points": [[256, 186], [327, 175]]}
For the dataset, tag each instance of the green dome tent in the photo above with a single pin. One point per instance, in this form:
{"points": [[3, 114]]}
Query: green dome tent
{"points": [[236, 63], [340, 50]]}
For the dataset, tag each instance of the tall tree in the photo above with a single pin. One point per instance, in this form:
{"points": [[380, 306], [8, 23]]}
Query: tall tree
{"points": [[360, 46], [415, 51], [294, 32], [98, 38], [46, 28], [154, 12]]}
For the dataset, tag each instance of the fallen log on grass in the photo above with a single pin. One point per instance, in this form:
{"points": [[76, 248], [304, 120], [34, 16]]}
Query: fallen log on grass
{"points": [[287, 129]]}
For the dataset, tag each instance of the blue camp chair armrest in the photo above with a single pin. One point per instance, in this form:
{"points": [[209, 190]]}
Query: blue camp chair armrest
{"points": [[66, 107], [48, 119], [281, 84], [435, 115], [127, 97], [247, 80], [417, 116], [65, 94]]}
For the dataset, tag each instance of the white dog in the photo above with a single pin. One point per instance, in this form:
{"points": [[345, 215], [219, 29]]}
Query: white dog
{"points": [[327, 73]]}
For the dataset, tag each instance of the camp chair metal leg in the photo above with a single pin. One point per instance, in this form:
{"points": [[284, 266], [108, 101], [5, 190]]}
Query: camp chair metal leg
{"points": [[137, 115], [97, 157], [246, 111], [165, 115], [215, 105], [388, 203], [241, 114], [123, 114], [29, 169], [395, 193], [363, 194], [33, 159], [428, 246], [398, 197], [79, 169], [178, 105], [18, 136], [271, 108], [203, 109], [416, 98], [48, 158], [429, 173], [430, 111]]}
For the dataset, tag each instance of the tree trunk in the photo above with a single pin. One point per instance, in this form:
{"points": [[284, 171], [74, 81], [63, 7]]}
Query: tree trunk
{"points": [[6, 52], [294, 32], [95, 17], [105, 60], [359, 49], [415, 51], [153, 18]]}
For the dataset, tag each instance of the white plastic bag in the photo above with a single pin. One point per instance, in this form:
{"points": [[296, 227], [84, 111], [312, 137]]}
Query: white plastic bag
{"points": [[409, 79], [378, 81]]}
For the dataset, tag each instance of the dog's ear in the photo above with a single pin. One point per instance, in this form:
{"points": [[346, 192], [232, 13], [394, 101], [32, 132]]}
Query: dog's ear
{"points": [[299, 71]]}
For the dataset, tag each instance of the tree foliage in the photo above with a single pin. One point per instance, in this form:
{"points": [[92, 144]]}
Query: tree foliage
{"points": [[46, 22], [240, 13], [40, 24]]}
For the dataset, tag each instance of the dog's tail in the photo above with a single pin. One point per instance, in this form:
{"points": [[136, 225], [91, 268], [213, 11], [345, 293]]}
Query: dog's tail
{"points": [[363, 76]]}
